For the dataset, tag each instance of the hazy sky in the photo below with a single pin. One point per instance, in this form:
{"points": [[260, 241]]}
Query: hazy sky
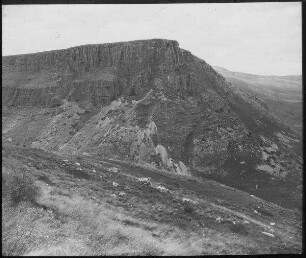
{"points": [[259, 38]]}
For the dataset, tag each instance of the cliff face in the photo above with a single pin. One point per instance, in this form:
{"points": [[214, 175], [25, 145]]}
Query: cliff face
{"points": [[151, 102], [106, 70], [86, 58]]}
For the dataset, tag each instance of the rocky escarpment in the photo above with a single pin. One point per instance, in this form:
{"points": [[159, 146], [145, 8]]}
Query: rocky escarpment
{"points": [[94, 73], [152, 103]]}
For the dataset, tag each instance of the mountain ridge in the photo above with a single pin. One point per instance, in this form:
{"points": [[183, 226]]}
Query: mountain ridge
{"points": [[298, 76], [95, 44]]}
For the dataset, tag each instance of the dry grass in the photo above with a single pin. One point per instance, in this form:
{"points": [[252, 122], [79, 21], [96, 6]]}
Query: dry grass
{"points": [[18, 186], [68, 226], [188, 208], [239, 228], [73, 225], [92, 225]]}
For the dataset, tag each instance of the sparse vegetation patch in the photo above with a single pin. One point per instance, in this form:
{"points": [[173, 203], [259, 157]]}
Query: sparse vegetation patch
{"points": [[18, 186], [239, 228]]}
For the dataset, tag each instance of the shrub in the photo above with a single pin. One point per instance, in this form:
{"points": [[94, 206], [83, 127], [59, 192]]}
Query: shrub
{"points": [[183, 224], [239, 228], [150, 250], [55, 102], [265, 212], [128, 222], [188, 208], [18, 186]]}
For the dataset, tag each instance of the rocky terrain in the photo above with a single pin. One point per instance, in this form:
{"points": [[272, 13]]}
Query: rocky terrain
{"points": [[154, 109], [282, 94]]}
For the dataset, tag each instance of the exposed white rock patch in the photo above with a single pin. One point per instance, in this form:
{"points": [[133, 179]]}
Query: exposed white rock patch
{"points": [[282, 137], [268, 234], [162, 189], [183, 168], [265, 168], [189, 200], [117, 103], [268, 149], [219, 219], [161, 150], [179, 167], [122, 194], [272, 147], [114, 169], [162, 97], [144, 180], [265, 155], [263, 138], [272, 171], [151, 128], [285, 138], [170, 163]]}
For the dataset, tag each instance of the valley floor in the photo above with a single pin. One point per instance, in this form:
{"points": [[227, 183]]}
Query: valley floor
{"points": [[55, 205]]}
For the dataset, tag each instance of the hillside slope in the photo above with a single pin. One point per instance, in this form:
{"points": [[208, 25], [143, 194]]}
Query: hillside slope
{"points": [[155, 104], [91, 206], [282, 94]]}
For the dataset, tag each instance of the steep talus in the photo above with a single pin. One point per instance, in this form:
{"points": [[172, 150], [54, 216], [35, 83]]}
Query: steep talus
{"points": [[152, 103]]}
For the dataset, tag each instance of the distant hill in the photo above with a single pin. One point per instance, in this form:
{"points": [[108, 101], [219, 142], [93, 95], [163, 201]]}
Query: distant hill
{"points": [[282, 94]]}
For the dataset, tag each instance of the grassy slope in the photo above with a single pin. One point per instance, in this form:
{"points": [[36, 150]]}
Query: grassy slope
{"points": [[80, 212]]}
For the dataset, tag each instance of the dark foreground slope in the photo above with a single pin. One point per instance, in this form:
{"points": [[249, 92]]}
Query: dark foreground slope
{"points": [[85, 205], [282, 94], [155, 104]]}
